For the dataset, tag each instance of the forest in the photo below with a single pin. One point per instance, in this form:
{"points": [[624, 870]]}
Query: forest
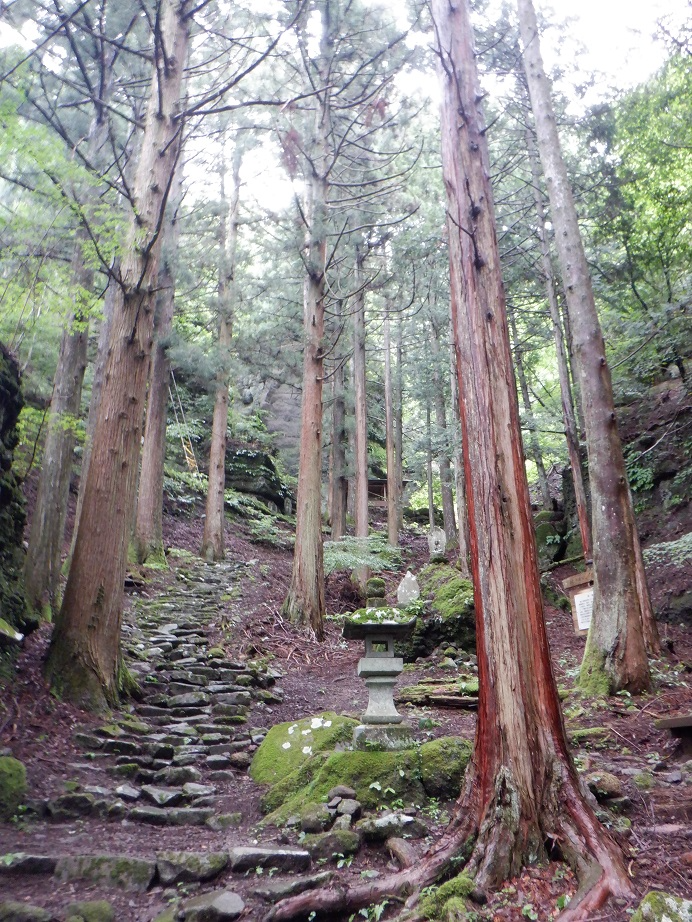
{"points": [[345, 440]]}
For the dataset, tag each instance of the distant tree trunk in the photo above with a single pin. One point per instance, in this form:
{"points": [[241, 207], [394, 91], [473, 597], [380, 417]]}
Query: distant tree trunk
{"points": [[360, 407], [448, 517], [460, 478], [304, 603], [428, 467], [148, 537], [399, 421], [43, 560], [84, 662], [392, 472], [571, 434], [214, 522], [535, 449], [615, 656], [339, 481], [521, 795]]}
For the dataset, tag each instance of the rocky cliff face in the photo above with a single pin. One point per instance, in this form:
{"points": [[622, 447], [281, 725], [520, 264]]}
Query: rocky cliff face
{"points": [[12, 516]]}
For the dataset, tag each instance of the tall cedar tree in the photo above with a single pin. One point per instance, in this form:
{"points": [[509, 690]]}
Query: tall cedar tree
{"points": [[623, 625], [521, 797], [84, 658]]}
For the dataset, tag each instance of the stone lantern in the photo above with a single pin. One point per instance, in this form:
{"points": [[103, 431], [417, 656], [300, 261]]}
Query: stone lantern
{"points": [[380, 626]]}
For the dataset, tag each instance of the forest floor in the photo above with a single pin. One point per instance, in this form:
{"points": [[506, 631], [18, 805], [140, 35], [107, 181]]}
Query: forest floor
{"points": [[235, 606]]}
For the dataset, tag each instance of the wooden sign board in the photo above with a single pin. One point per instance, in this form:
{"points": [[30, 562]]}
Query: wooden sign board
{"points": [[580, 591]]}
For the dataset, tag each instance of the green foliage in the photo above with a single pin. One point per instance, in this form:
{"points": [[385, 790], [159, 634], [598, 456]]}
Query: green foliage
{"points": [[640, 477], [350, 553]]}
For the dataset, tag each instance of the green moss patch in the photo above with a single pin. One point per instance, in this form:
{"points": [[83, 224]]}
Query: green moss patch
{"points": [[288, 746], [12, 786], [450, 615], [443, 763], [410, 776], [457, 889], [662, 907]]}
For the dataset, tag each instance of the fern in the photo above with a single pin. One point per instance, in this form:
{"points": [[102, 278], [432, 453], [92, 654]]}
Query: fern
{"points": [[350, 553]]}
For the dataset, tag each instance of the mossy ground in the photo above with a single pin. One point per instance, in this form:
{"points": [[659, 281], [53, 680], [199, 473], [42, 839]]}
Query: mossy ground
{"points": [[661, 907], [457, 889]]}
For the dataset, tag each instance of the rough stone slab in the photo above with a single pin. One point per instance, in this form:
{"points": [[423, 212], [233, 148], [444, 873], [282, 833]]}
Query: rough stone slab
{"points": [[185, 867], [380, 828], [21, 863], [274, 890], [162, 797], [222, 906], [112, 870], [189, 700], [245, 858]]}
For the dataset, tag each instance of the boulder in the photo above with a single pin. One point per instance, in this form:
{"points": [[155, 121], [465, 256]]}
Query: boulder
{"points": [[184, 867], [331, 846], [315, 818], [385, 825], [90, 911], [115, 871], [247, 858], [287, 746], [449, 617], [221, 906], [10, 911], [12, 786], [443, 763], [658, 906]]}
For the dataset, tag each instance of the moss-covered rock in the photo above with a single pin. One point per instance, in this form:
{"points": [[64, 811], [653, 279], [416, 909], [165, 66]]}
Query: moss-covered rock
{"points": [[185, 867], [115, 871], [288, 746], [12, 786], [90, 911], [450, 614], [658, 906], [378, 778], [457, 889], [315, 818], [330, 846], [11, 911], [443, 763]]}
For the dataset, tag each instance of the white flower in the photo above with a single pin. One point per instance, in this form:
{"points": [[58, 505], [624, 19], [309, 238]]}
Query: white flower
{"points": [[291, 729], [305, 732], [316, 723], [286, 745], [307, 750], [327, 723]]}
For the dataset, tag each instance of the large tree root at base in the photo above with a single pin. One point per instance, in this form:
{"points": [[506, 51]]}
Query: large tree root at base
{"points": [[576, 835]]}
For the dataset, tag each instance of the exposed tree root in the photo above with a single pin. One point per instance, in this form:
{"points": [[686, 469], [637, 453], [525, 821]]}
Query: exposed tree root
{"points": [[501, 848]]}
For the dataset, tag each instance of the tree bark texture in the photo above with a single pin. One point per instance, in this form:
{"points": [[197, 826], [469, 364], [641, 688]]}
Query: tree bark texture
{"points": [[84, 658], [521, 794], [392, 473], [460, 478], [448, 517], [428, 467], [615, 657], [571, 433], [399, 420], [214, 522], [148, 537]]}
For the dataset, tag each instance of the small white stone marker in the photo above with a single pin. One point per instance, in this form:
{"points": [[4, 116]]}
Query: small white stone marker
{"points": [[408, 590], [437, 542]]}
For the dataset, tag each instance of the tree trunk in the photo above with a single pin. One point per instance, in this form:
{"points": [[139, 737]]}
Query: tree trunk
{"points": [[536, 454], [84, 662], [460, 477], [43, 560], [214, 522], [304, 603], [44, 556], [615, 656], [148, 537], [392, 473], [448, 518], [428, 468], [521, 794], [339, 481], [571, 433], [399, 421], [361, 410]]}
